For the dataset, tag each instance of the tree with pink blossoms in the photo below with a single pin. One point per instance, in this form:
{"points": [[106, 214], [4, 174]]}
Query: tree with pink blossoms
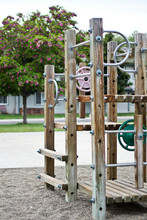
{"points": [[27, 43]]}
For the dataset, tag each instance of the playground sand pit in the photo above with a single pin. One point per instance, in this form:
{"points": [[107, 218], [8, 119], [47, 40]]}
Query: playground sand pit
{"points": [[23, 196]]}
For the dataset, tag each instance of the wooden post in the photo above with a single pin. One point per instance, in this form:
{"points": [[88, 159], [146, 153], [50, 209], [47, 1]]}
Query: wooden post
{"points": [[49, 122], [81, 104], [138, 142], [97, 120], [111, 113], [140, 84], [70, 116]]}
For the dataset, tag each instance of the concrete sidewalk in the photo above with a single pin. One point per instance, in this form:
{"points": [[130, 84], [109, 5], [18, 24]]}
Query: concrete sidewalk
{"points": [[41, 120], [20, 149]]}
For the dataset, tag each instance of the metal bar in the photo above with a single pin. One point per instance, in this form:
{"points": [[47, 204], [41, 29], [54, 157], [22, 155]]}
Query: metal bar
{"points": [[119, 131], [79, 75], [121, 165], [143, 50], [128, 52], [80, 44], [144, 163], [107, 75], [145, 131], [59, 74], [56, 99], [115, 55]]}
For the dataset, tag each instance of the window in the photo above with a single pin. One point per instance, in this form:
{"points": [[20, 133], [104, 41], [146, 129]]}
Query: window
{"points": [[3, 100], [39, 98]]}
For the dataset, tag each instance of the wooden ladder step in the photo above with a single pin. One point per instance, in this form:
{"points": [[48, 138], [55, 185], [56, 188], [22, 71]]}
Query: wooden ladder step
{"points": [[54, 182], [53, 154]]}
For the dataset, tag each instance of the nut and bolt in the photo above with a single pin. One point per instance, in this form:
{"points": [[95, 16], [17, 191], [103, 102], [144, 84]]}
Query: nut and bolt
{"points": [[92, 200], [98, 72], [98, 38], [140, 136], [92, 132]]}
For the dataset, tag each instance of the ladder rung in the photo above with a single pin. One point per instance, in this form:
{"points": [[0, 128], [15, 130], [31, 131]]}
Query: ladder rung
{"points": [[54, 182], [53, 154]]}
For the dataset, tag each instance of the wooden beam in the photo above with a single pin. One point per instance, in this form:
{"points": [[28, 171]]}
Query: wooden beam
{"points": [[111, 113], [97, 120], [70, 116], [54, 182], [138, 141], [49, 122], [53, 154], [140, 84]]}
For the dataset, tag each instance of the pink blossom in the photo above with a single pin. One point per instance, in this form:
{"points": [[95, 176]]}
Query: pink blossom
{"points": [[36, 83], [48, 59], [27, 81]]}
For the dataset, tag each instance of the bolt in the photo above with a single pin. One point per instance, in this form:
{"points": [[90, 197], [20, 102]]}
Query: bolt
{"points": [[71, 77], [59, 157], [90, 64], [91, 98], [44, 74], [44, 99], [98, 38], [59, 186], [50, 106], [65, 127], [92, 132], [39, 176], [90, 31], [39, 151], [50, 81], [92, 166], [65, 98], [44, 125], [92, 200], [140, 136], [98, 72]]}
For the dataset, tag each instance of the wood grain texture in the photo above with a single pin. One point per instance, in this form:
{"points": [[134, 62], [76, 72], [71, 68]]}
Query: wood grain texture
{"points": [[49, 121], [97, 121], [70, 116], [140, 84], [111, 113], [82, 106], [138, 125]]}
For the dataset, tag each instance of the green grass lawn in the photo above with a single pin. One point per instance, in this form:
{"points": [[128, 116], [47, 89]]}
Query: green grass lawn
{"points": [[23, 128]]}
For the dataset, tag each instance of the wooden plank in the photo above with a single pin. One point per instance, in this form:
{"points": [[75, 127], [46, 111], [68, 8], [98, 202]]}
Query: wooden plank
{"points": [[53, 154], [49, 122], [84, 188], [125, 196], [81, 104], [127, 185], [111, 113], [83, 98], [126, 98], [54, 182], [128, 190], [140, 84], [97, 120], [59, 125], [70, 116], [117, 198], [138, 143]]}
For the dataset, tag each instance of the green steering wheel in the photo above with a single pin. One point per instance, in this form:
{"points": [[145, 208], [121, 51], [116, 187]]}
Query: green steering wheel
{"points": [[126, 140]]}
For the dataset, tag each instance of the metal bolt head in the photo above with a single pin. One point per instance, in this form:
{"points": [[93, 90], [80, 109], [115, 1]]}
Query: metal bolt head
{"points": [[92, 200], [98, 72], [39, 176], [140, 136], [44, 99], [90, 64], [92, 132], [92, 166], [44, 74], [50, 106], [91, 98], [44, 125], [90, 31], [65, 98], [98, 38], [39, 151]]}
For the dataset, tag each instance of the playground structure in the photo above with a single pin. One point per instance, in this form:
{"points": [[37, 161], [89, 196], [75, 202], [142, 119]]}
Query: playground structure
{"points": [[102, 191]]}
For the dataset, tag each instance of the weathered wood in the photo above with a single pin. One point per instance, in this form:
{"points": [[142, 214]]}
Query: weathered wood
{"points": [[49, 122], [83, 98], [97, 120], [53, 154], [81, 104], [54, 182], [70, 116], [111, 113], [140, 84], [138, 142]]}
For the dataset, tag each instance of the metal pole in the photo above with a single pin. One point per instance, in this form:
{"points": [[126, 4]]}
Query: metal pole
{"points": [[80, 44]]}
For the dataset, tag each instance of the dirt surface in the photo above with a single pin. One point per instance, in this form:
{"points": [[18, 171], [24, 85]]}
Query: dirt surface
{"points": [[23, 196]]}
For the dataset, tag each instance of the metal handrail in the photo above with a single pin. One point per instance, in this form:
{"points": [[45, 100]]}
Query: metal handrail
{"points": [[127, 54], [115, 55], [56, 99], [80, 44]]}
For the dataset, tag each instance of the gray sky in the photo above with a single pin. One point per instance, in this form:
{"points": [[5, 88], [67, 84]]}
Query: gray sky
{"points": [[125, 16]]}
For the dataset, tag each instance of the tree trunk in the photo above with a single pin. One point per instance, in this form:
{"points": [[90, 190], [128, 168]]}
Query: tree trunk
{"points": [[24, 109]]}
